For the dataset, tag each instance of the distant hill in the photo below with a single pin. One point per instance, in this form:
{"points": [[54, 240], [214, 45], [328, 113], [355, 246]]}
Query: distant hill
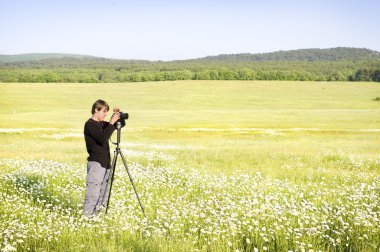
{"points": [[332, 54], [39, 56]]}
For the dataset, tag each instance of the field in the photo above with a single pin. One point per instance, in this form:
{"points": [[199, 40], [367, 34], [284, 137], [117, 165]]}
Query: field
{"points": [[219, 166]]}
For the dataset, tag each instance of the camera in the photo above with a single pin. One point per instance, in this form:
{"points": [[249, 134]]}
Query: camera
{"points": [[123, 117]]}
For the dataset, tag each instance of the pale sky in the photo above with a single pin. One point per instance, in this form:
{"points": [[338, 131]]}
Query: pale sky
{"points": [[170, 30]]}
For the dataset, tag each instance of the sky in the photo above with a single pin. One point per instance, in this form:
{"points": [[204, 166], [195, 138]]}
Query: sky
{"points": [[175, 30]]}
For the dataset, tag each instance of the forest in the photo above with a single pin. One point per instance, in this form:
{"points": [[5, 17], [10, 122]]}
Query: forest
{"points": [[335, 64]]}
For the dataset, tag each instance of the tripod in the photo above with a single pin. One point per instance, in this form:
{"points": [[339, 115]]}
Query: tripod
{"points": [[113, 167]]}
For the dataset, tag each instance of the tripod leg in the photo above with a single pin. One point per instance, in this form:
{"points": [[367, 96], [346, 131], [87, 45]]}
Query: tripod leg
{"points": [[131, 179], [113, 167]]}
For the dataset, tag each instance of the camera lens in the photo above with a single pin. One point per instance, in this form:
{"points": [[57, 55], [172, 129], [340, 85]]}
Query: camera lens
{"points": [[123, 116]]}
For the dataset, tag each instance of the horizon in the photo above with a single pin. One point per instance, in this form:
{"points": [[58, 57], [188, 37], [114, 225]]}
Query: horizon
{"points": [[180, 30]]}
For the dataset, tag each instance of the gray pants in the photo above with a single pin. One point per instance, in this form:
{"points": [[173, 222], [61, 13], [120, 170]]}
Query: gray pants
{"points": [[96, 188]]}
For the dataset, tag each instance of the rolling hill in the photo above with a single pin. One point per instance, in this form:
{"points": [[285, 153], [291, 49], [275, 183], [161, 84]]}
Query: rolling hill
{"points": [[39, 56], [331, 54]]}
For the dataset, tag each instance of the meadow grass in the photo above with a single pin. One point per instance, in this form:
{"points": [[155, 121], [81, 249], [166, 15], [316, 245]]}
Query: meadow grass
{"points": [[220, 165]]}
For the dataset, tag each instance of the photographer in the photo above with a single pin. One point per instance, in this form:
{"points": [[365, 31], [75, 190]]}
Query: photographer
{"points": [[97, 133]]}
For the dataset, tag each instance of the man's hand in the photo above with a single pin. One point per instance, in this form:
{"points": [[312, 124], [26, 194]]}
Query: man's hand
{"points": [[115, 117], [116, 109]]}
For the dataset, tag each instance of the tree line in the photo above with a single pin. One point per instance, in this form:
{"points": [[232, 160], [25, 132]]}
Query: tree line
{"points": [[112, 75]]}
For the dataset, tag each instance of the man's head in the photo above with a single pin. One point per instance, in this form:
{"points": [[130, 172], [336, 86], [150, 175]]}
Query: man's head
{"points": [[99, 110]]}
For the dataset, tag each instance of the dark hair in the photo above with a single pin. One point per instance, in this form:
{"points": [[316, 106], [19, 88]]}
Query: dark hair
{"points": [[99, 105]]}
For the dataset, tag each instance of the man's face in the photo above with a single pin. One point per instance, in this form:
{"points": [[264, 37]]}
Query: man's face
{"points": [[101, 114]]}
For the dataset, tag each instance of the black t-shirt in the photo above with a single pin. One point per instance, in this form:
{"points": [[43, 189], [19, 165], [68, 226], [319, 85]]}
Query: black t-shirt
{"points": [[96, 135]]}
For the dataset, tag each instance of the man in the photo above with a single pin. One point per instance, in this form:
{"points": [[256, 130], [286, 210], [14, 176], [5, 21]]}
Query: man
{"points": [[97, 132]]}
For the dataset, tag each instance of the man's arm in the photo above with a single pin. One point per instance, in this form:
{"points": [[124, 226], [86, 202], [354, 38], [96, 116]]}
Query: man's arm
{"points": [[94, 131]]}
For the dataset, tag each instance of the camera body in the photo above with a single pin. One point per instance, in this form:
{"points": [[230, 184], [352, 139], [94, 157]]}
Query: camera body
{"points": [[123, 117]]}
